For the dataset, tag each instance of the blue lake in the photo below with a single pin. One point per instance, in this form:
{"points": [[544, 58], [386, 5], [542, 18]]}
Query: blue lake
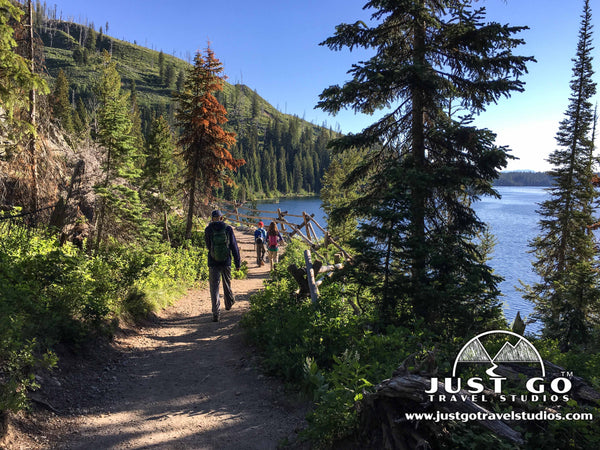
{"points": [[513, 222]]}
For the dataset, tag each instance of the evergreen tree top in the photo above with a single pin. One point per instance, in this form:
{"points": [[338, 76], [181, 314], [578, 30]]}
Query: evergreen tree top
{"points": [[460, 56]]}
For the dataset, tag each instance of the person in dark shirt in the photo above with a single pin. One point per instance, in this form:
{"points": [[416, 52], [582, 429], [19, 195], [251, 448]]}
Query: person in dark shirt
{"points": [[260, 239], [222, 246]]}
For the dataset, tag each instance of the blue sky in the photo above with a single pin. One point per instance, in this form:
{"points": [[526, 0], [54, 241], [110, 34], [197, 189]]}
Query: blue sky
{"points": [[272, 46]]}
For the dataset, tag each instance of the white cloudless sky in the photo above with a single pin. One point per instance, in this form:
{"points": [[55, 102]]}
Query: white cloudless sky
{"points": [[272, 47]]}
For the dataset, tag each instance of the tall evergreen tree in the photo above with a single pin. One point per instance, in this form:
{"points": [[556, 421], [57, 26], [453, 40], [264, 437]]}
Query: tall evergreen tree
{"points": [[136, 119], [62, 111], [180, 80], [205, 144], [254, 107], [298, 176], [77, 55], [81, 119], [160, 170], [424, 166], [169, 76], [120, 208], [90, 41], [567, 298], [16, 81], [335, 196], [161, 66]]}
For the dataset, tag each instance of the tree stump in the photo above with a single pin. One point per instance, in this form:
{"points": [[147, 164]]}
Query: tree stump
{"points": [[299, 275]]}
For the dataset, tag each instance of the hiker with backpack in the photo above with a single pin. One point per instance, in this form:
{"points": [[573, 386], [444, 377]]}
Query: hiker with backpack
{"points": [[273, 240], [260, 238], [222, 245]]}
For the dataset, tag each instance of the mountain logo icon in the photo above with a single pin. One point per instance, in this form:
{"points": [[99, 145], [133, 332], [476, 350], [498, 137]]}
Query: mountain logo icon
{"points": [[475, 352]]}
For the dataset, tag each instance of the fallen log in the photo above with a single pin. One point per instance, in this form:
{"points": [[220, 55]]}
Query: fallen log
{"points": [[580, 392], [310, 276]]}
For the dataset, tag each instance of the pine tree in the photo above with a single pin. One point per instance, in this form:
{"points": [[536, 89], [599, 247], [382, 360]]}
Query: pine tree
{"points": [[62, 111], [180, 80], [160, 170], [90, 42], [254, 107], [77, 55], [282, 177], [298, 176], [567, 298], [423, 165], [119, 204], [81, 119], [161, 66], [169, 76], [336, 197], [205, 144], [136, 119], [16, 81]]}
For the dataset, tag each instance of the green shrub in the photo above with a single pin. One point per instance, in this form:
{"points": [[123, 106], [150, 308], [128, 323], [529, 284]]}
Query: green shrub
{"points": [[334, 357], [240, 274], [53, 294], [326, 349], [165, 280], [583, 362]]}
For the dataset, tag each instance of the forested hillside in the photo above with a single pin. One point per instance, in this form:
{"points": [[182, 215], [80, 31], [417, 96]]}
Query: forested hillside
{"points": [[284, 154]]}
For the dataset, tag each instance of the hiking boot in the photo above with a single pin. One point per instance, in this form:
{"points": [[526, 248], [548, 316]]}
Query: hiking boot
{"points": [[228, 307]]}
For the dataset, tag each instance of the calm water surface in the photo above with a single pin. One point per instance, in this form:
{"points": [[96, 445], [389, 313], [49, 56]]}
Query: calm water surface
{"points": [[513, 222]]}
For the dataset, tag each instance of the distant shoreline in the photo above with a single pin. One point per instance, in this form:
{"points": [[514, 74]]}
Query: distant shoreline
{"points": [[535, 179]]}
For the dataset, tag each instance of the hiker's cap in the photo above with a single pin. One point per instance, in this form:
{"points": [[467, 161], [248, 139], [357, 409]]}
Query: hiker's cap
{"points": [[217, 213], [260, 224]]}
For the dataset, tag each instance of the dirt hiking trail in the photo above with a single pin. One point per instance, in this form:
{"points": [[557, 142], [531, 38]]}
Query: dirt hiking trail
{"points": [[181, 382]]}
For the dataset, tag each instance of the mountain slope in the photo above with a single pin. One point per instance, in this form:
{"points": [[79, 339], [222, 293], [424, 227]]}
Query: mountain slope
{"points": [[284, 154]]}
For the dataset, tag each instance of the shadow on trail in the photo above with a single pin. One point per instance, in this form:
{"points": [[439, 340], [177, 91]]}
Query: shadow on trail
{"points": [[190, 383], [187, 377]]}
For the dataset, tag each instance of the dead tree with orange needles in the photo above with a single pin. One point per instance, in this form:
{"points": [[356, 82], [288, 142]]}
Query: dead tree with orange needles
{"points": [[205, 144]]}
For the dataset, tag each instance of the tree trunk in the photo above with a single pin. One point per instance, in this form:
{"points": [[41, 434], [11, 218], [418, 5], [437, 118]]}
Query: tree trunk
{"points": [[418, 154], [192, 201], [166, 229], [32, 117], [3, 423]]}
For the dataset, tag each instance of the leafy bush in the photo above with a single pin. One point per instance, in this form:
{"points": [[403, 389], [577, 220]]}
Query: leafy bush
{"points": [[240, 274], [584, 363], [53, 294], [165, 280], [327, 349]]}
